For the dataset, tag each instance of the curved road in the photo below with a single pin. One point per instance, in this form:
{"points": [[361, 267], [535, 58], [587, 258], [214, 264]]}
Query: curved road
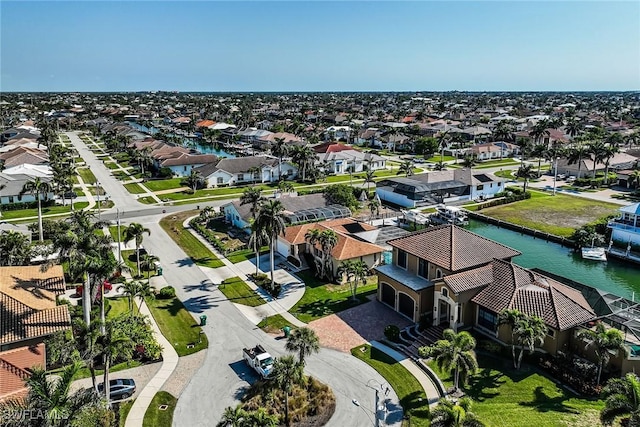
{"points": [[221, 380]]}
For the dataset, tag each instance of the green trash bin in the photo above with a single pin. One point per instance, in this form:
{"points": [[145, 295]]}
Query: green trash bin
{"points": [[287, 331], [159, 271], [203, 320]]}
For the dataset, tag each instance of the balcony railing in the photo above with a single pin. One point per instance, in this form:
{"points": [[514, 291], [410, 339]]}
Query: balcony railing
{"points": [[623, 225]]}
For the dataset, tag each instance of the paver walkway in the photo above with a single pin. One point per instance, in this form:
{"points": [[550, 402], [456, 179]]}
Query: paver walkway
{"points": [[169, 363]]}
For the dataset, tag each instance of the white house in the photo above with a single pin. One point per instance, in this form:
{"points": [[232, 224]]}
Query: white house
{"points": [[625, 230], [12, 185], [246, 170]]}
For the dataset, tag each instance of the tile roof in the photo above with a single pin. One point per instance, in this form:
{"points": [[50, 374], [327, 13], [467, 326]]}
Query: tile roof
{"points": [[28, 303], [190, 159], [15, 366], [470, 279], [514, 287], [291, 204], [348, 247], [452, 247], [332, 147]]}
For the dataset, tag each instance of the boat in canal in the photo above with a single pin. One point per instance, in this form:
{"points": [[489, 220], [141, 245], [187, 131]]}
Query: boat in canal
{"points": [[449, 215], [594, 254]]}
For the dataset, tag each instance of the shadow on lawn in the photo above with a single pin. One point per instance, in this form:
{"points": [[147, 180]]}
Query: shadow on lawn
{"points": [[543, 403], [415, 402], [480, 385]]}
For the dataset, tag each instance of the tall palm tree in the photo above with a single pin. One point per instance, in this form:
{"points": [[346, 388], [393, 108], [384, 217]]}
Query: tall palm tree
{"points": [[573, 127], [115, 344], [303, 341], [539, 131], [346, 271], [539, 151], [148, 262], [304, 157], [575, 156], [272, 221], [195, 180], [86, 339], [253, 196], [233, 417], [130, 290], [374, 207], [145, 291], [530, 331], [360, 273], [312, 237], [286, 373], [280, 149], [605, 343], [136, 231], [444, 139], [37, 187], [511, 317], [597, 150], [608, 153], [369, 176], [526, 172], [257, 239], [454, 353], [406, 168], [328, 239], [449, 413], [622, 398]]}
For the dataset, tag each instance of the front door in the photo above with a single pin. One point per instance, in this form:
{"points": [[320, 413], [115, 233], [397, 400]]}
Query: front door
{"points": [[444, 313]]}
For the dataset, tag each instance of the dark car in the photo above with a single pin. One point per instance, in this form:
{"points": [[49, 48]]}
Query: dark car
{"points": [[119, 389]]}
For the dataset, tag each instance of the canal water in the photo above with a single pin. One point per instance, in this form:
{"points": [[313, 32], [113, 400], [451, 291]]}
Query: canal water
{"points": [[186, 142], [615, 276]]}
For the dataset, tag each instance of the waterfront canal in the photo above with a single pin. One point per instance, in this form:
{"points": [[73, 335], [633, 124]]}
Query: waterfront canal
{"points": [[615, 276]]}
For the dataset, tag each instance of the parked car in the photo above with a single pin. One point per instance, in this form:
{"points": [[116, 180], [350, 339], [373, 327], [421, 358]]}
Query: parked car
{"points": [[107, 288], [119, 389]]}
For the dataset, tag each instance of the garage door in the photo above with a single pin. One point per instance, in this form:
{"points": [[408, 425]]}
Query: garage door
{"points": [[389, 295], [406, 305]]}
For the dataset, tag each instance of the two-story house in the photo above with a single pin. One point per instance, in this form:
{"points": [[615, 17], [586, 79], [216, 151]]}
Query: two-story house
{"points": [[625, 232]]}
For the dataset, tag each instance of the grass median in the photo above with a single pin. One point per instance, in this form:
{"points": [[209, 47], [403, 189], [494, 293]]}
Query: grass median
{"points": [[50, 210], [190, 244], [156, 417], [87, 176], [239, 292]]}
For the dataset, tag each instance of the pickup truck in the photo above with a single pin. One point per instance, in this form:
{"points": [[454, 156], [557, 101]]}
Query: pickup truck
{"points": [[258, 359]]}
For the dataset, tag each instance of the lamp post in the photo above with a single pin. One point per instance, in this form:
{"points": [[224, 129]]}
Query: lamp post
{"points": [[555, 175], [98, 194], [379, 408], [118, 223]]}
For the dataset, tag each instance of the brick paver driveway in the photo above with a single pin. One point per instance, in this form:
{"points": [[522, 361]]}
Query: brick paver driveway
{"points": [[357, 325]]}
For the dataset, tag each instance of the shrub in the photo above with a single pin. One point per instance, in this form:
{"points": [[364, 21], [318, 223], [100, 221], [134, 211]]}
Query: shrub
{"points": [[392, 332], [167, 292], [165, 173]]}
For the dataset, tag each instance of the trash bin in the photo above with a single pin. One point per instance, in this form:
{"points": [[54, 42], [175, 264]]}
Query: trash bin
{"points": [[203, 320], [198, 207], [287, 331], [159, 271]]}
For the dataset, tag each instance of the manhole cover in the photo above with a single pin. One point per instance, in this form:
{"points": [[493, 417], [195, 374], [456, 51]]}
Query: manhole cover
{"points": [[163, 407]]}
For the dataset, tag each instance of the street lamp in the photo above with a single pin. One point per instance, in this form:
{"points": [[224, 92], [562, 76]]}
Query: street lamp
{"points": [[379, 408], [98, 194], [555, 175], [118, 223]]}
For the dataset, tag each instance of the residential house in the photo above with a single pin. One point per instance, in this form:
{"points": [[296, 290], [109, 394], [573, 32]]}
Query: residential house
{"points": [[28, 303], [421, 259], [339, 158], [16, 366], [625, 230], [246, 170], [493, 150], [308, 208], [620, 161], [12, 185], [439, 187], [22, 155], [352, 243]]}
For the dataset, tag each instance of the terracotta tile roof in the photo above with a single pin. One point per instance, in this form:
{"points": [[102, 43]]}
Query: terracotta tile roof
{"points": [[190, 159], [15, 366], [332, 147], [347, 248], [205, 123], [453, 248], [28, 303], [513, 287], [470, 279]]}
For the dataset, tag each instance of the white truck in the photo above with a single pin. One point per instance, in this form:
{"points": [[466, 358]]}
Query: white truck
{"points": [[258, 359]]}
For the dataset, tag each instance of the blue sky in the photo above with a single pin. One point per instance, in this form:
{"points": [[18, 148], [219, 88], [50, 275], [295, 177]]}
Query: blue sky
{"points": [[319, 46]]}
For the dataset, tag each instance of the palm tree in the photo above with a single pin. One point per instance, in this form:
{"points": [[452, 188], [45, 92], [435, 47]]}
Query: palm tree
{"points": [[271, 220], [608, 153], [530, 330], [346, 271], [576, 155], [634, 179], [539, 151], [253, 197], [622, 398], [51, 398], [233, 417], [328, 239], [257, 239], [573, 127], [304, 341], [443, 142], [195, 180], [469, 161], [130, 290], [15, 248], [454, 353], [37, 187], [286, 373], [145, 291], [526, 172], [136, 231], [148, 262], [598, 150], [279, 148], [115, 344], [454, 414], [539, 131], [312, 237], [304, 157], [369, 176], [606, 343], [406, 168], [374, 207], [360, 273], [261, 418], [86, 339], [511, 318]]}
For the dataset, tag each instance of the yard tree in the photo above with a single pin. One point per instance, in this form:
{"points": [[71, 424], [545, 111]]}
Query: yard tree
{"points": [[38, 188], [114, 344], [427, 146], [15, 248], [511, 317], [130, 290], [454, 353], [135, 231], [233, 417], [406, 168], [449, 413], [341, 194], [606, 342], [540, 152], [280, 149], [286, 373], [271, 221], [303, 341], [621, 399], [576, 155], [195, 180], [530, 332], [526, 172], [253, 197]]}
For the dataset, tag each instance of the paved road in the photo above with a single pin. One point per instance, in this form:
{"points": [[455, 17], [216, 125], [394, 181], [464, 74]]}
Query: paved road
{"points": [[224, 376]]}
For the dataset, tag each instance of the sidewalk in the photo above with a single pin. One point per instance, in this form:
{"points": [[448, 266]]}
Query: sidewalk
{"points": [[427, 384], [169, 363], [293, 289]]}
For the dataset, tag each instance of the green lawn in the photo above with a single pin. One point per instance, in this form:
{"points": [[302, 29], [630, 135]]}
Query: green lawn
{"points": [[58, 209], [406, 386], [163, 184], [239, 292], [505, 397], [496, 163], [274, 324], [244, 254], [87, 176], [154, 417], [113, 230], [119, 305], [177, 325], [438, 158], [560, 214], [84, 372], [123, 411], [321, 298], [111, 165], [134, 188], [189, 243], [508, 174]]}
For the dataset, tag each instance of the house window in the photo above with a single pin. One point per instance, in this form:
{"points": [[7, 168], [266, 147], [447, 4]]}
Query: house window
{"points": [[219, 180], [445, 292], [480, 187], [551, 333], [240, 177], [402, 259], [184, 168], [423, 268], [438, 273], [487, 319], [459, 309]]}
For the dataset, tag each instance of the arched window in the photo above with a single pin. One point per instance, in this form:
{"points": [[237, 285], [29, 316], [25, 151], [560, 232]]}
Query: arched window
{"points": [[438, 273], [444, 291]]}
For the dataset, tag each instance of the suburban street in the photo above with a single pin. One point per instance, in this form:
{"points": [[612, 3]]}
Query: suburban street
{"points": [[224, 375]]}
